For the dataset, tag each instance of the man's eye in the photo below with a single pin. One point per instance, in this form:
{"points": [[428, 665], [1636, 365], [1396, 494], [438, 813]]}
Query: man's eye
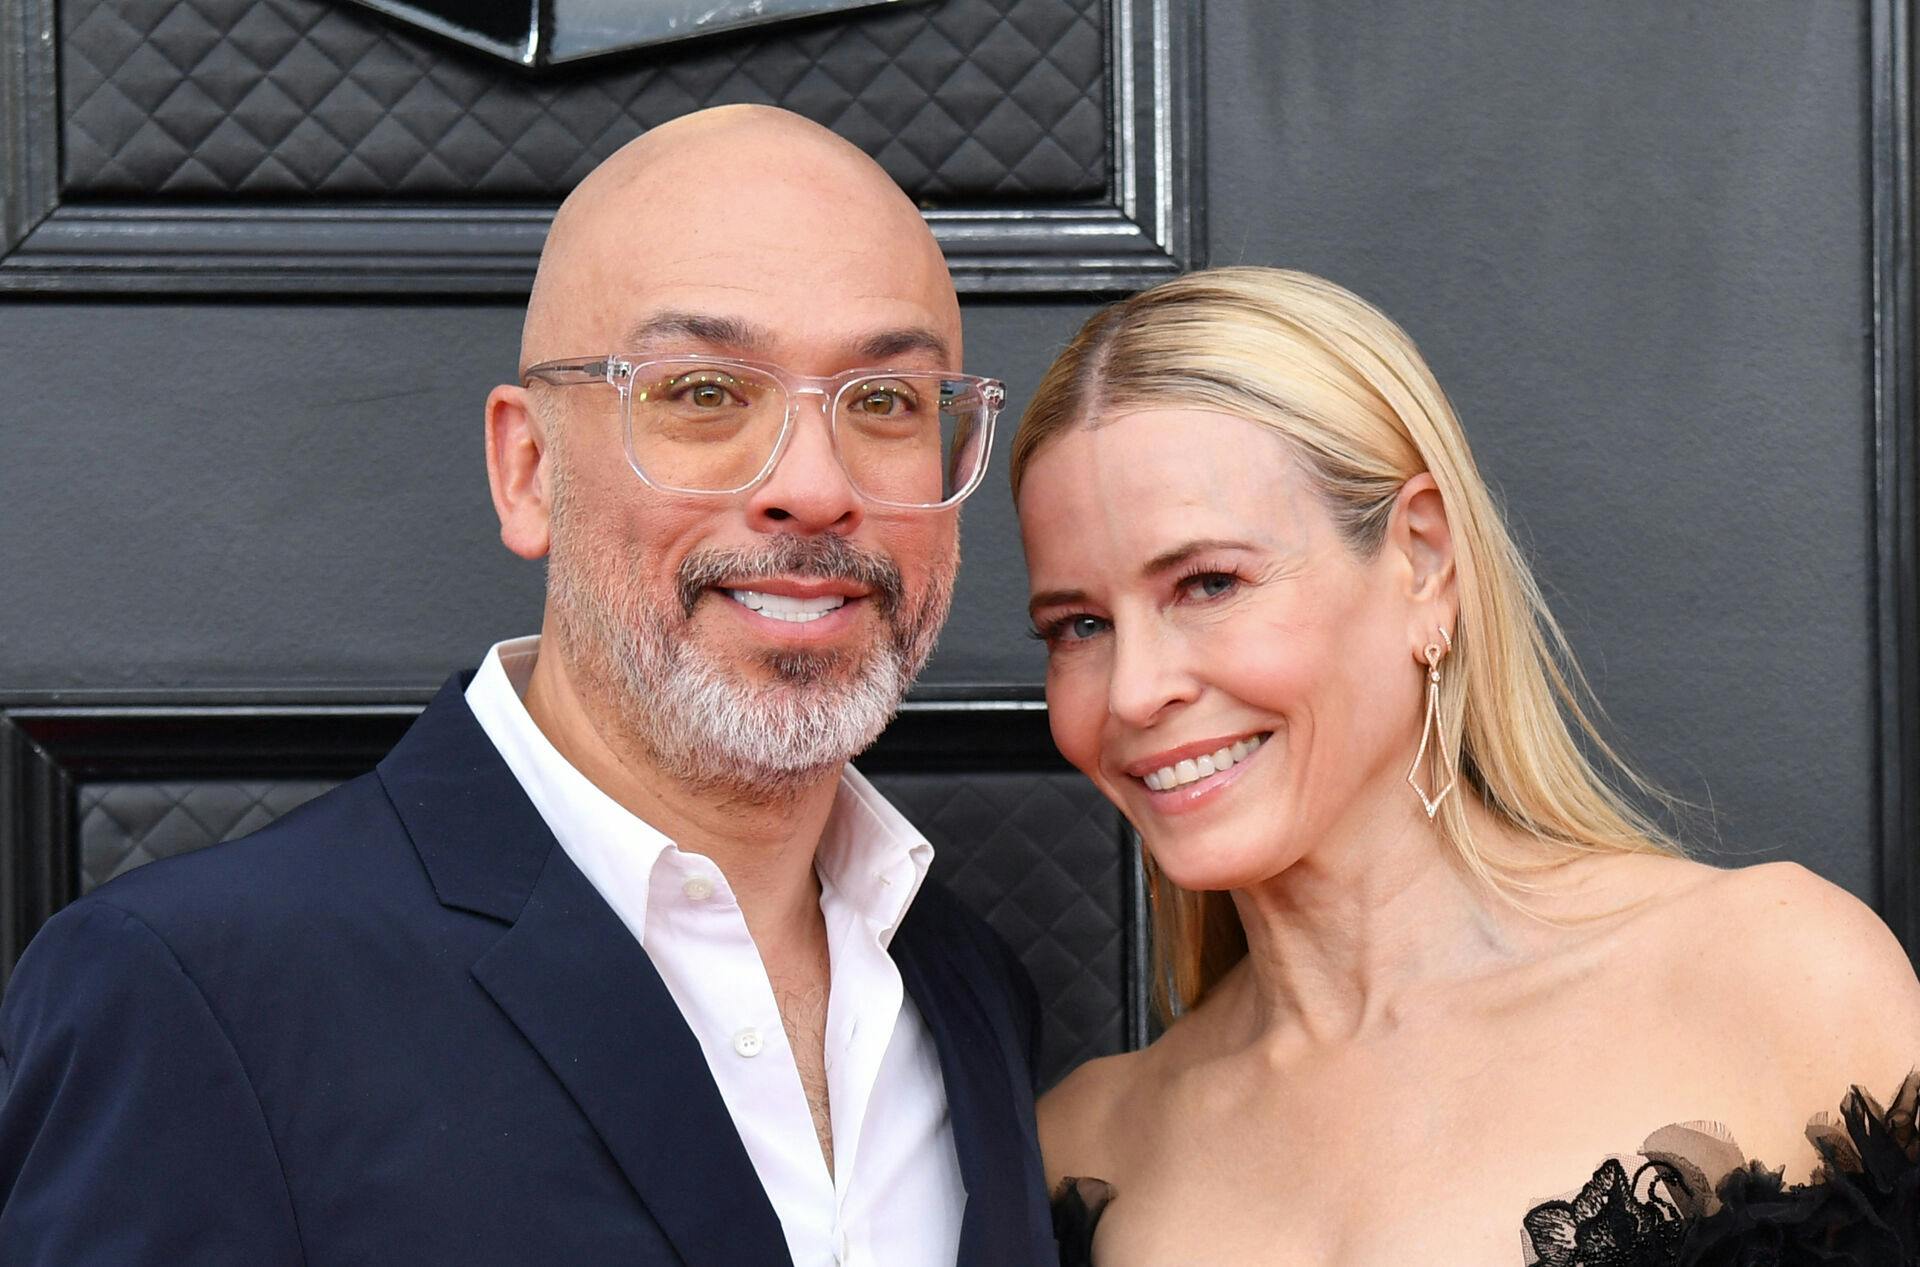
{"points": [[880, 402], [704, 392]]}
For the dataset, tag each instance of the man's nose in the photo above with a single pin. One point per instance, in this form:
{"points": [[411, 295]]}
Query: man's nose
{"points": [[808, 491]]}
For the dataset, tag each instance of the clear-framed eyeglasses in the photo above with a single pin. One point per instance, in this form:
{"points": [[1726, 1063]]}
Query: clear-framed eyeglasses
{"points": [[912, 439]]}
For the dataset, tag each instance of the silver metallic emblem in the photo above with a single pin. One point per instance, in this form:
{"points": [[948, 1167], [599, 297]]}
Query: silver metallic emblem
{"points": [[537, 33]]}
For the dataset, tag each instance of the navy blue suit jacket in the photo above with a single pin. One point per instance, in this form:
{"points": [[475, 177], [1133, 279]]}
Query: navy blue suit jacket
{"points": [[399, 1026]]}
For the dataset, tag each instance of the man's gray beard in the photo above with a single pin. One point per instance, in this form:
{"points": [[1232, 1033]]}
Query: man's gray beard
{"points": [[701, 721]]}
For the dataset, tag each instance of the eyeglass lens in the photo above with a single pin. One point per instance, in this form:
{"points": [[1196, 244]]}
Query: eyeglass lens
{"points": [[906, 439]]}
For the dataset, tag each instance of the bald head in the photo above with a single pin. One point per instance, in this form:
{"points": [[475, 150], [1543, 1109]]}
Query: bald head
{"points": [[744, 214]]}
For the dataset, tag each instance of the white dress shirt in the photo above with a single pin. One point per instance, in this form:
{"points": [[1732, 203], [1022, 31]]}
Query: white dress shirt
{"points": [[894, 1197]]}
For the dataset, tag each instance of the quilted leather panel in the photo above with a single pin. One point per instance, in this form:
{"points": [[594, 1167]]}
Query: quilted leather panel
{"points": [[1041, 858], [958, 99], [123, 825]]}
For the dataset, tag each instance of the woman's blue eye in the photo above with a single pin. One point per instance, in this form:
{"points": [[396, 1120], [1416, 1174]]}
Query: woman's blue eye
{"points": [[1211, 584], [1069, 629]]}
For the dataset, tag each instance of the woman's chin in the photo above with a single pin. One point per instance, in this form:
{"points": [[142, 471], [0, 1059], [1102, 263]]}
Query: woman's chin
{"points": [[1198, 869]]}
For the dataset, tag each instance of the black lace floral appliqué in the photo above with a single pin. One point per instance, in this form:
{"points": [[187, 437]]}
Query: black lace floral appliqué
{"points": [[1861, 1209], [1617, 1220]]}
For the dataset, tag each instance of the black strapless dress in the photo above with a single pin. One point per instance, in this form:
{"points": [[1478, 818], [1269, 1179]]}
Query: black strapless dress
{"points": [[1691, 1200]]}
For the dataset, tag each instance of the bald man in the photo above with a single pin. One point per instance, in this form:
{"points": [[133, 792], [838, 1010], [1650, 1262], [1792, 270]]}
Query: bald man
{"points": [[613, 959]]}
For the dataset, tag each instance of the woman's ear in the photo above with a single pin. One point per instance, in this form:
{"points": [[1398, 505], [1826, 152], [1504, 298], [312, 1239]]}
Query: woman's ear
{"points": [[1419, 534], [517, 453]]}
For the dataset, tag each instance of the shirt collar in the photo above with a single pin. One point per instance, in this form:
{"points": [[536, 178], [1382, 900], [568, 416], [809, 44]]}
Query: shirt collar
{"points": [[869, 855]]}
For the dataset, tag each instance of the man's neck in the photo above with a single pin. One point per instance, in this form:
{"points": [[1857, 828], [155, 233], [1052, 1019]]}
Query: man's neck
{"points": [[765, 846]]}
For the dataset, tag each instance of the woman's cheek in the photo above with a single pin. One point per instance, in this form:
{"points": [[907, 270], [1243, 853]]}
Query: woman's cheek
{"points": [[1077, 707]]}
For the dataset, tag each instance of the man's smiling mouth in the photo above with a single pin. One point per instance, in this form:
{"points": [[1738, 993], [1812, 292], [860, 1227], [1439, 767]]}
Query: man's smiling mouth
{"points": [[798, 611]]}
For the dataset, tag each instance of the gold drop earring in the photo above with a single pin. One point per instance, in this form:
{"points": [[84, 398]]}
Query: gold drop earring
{"points": [[1430, 728]]}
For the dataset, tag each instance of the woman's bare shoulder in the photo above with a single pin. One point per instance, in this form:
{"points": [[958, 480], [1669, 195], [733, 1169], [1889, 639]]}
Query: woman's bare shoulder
{"points": [[1077, 1118], [1772, 926], [1809, 970], [1108, 1109], [1760, 993], [1794, 931]]}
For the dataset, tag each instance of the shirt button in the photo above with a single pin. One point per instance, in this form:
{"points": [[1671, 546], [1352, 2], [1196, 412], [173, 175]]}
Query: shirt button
{"points": [[698, 887], [747, 1042]]}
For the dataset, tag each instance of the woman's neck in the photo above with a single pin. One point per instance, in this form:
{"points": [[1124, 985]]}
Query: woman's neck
{"points": [[1356, 934]]}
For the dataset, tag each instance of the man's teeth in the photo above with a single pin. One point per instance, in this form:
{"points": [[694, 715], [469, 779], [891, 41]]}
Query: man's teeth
{"points": [[1168, 777], [782, 607]]}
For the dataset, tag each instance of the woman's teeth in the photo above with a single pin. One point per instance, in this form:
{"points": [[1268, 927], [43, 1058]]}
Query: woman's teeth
{"points": [[781, 607], [1168, 777]]}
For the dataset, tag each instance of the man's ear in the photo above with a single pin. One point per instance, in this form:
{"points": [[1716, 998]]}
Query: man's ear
{"points": [[1419, 532], [516, 471]]}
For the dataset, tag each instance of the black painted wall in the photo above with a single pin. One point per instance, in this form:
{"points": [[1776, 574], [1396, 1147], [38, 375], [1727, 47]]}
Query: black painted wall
{"points": [[1633, 239]]}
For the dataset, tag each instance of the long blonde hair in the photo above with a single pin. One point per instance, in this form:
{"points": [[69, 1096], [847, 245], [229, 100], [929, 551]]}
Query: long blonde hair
{"points": [[1361, 412]]}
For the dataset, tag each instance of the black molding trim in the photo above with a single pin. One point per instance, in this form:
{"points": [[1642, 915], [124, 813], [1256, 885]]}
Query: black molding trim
{"points": [[1146, 230], [47, 753], [38, 867], [29, 120], [1896, 475], [1141, 1025]]}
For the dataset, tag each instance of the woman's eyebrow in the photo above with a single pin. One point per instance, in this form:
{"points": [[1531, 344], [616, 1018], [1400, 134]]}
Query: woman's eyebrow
{"points": [[1167, 560], [1055, 598]]}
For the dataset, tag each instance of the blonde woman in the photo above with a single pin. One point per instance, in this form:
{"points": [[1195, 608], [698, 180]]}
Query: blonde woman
{"points": [[1438, 993]]}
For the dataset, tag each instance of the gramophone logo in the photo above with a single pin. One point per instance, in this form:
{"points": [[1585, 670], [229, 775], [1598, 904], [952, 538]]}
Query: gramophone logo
{"points": [[538, 33]]}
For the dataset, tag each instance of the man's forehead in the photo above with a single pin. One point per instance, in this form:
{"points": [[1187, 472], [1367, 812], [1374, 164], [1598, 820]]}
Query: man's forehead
{"points": [[808, 251], [804, 263]]}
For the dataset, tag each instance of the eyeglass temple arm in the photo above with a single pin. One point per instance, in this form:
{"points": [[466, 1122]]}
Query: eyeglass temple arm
{"points": [[564, 373]]}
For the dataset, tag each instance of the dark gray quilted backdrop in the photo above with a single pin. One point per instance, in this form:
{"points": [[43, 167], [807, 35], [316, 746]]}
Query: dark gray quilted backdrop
{"points": [[127, 825], [1631, 237], [960, 100]]}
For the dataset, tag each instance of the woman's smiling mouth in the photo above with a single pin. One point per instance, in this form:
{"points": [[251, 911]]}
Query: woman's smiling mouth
{"points": [[1192, 769], [1185, 778]]}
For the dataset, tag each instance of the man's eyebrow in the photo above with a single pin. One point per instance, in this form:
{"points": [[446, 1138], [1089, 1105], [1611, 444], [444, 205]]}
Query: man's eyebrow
{"points": [[730, 332], [887, 344], [725, 332]]}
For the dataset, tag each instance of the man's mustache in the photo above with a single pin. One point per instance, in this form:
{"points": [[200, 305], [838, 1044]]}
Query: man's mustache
{"points": [[825, 557]]}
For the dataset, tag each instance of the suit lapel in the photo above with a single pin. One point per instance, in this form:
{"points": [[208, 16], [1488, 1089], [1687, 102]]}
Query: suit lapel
{"points": [[588, 999], [988, 1138], [571, 978]]}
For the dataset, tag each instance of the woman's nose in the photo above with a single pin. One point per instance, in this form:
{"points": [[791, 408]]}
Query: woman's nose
{"points": [[1152, 673]]}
